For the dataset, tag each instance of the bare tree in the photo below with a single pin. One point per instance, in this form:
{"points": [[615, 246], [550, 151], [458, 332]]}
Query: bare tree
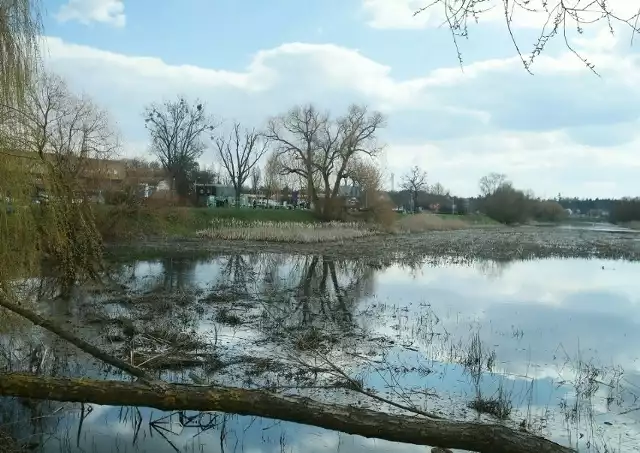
{"points": [[59, 142], [239, 153], [272, 175], [256, 177], [492, 182], [438, 189], [561, 17], [65, 130], [313, 146], [296, 136], [415, 181], [349, 137], [176, 129]]}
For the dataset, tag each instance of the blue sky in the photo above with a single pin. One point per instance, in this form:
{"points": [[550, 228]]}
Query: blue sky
{"points": [[562, 130]]}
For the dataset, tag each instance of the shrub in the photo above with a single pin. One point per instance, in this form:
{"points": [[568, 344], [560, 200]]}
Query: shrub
{"points": [[117, 197], [508, 205], [548, 211]]}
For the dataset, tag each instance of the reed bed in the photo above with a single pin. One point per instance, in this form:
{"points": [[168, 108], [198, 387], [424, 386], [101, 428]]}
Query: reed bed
{"points": [[421, 223], [293, 232]]}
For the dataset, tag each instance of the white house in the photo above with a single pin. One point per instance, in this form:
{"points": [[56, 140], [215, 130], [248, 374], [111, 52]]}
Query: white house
{"points": [[163, 185]]}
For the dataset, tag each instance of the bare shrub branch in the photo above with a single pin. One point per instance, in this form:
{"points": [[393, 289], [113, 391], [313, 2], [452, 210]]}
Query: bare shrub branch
{"points": [[561, 17]]}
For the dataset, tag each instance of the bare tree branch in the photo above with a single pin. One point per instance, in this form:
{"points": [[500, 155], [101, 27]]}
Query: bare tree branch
{"points": [[176, 129], [313, 146], [295, 136], [414, 182], [561, 16], [491, 182], [239, 153]]}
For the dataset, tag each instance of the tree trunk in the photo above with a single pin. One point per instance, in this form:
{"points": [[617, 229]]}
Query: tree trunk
{"points": [[78, 342], [478, 437]]}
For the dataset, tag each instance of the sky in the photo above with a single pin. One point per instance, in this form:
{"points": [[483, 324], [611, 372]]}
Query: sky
{"points": [[562, 130]]}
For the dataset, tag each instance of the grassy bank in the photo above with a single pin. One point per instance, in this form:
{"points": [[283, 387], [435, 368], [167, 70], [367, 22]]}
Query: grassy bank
{"points": [[125, 223]]}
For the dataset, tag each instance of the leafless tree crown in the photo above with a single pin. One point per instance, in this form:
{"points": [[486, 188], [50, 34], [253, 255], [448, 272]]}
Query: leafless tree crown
{"points": [[491, 182], [319, 149], [63, 128], [176, 129], [239, 152]]}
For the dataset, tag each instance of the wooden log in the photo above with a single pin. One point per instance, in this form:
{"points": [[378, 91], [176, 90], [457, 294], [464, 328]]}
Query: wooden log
{"points": [[79, 342], [470, 436]]}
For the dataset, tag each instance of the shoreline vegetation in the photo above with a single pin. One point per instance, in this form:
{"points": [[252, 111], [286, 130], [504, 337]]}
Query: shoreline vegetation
{"points": [[492, 244], [126, 223], [462, 237]]}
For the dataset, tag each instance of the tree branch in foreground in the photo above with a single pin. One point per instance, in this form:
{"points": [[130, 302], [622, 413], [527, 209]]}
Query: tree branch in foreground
{"points": [[79, 342], [483, 438]]}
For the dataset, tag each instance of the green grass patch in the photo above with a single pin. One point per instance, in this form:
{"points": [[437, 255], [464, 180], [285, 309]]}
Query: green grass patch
{"points": [[130, 223]]}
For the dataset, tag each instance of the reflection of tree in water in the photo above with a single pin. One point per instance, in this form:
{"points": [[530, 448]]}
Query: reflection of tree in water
{"points": [[314, 291], [28, 349], [178, 274], [492, 269]]}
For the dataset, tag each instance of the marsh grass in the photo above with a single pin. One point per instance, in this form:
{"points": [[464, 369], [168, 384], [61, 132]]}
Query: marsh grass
{"points": [[132, 221], [498, 405], [420, 223], [225, 316], [293, 232]]}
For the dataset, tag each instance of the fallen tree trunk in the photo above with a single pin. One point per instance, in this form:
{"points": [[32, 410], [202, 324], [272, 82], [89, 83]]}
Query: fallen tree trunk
{"points": [[478, 437], [79, 342]]}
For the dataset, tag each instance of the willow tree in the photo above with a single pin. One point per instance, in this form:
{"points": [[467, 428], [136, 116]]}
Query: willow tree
{"points": [[43, 128], [19, 28]]}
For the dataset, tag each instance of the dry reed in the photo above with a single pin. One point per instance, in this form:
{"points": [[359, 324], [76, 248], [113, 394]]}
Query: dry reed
{"points": [[294, 232], [420, 223]]}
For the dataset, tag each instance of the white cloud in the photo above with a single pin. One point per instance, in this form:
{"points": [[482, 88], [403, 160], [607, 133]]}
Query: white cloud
{"points": [[458, 125], [86, 11]]}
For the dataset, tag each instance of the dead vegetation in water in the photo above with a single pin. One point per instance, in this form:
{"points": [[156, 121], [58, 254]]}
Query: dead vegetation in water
{"points": [[225, 315], [494, 243], [313, 341], [498, 406], [8, 444]]}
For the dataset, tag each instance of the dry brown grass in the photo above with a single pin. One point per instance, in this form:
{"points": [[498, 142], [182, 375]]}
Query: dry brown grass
{"points": [[294, 232], [420, 223]]}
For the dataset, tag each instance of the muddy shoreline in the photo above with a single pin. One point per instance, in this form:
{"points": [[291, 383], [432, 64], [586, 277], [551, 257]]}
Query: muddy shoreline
{"points": [[493, 243]]}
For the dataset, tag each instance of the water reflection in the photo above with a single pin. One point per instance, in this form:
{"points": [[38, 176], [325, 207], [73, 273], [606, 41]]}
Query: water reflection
{"points": [[558, 340]]}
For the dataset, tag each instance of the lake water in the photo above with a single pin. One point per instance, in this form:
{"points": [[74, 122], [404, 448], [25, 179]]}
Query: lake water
{"points": [[556, 342]]}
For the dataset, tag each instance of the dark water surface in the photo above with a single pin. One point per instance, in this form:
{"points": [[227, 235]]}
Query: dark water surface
{"points": [[556, 342]]}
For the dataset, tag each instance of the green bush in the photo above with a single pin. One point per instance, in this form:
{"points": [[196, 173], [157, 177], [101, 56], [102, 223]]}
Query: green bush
{"points": [[548, 211], [508, 205]]}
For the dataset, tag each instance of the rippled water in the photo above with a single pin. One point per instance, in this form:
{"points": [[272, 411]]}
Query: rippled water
{"points": [[557, 340]]}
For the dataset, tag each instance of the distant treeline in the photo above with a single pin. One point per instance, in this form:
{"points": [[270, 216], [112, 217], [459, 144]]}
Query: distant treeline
{"points": [[625, 210], [586, 205], [619, 211], [509, 205]]}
